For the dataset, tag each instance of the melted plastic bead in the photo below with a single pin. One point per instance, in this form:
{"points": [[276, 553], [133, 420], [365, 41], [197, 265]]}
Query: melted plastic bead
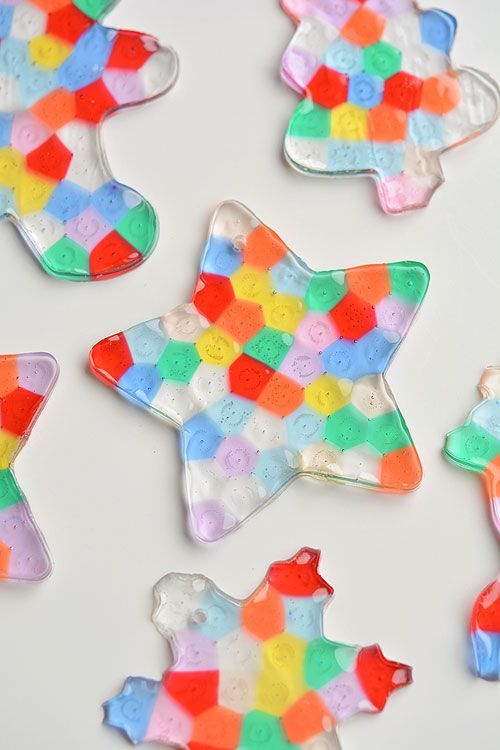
{"points": [[256, 674], [264, 381], [475, 446], [62, 74], [26, 381], [381, 95]]}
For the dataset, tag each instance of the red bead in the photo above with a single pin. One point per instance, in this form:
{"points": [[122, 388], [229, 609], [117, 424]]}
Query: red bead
{"points": [[403, 91], [298, 576], [129, 50], [486, 613], [112, 256], [68, 23], [328, 88], [111, 358], [18, 410], [194, 691], [248, 377], [51, 159], [378, 675], [353, 317], [212, 295], [93, 102]]}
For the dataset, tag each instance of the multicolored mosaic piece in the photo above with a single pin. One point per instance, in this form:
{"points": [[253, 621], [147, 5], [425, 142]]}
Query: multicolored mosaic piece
{"points": [[272, 371], [61, 74], [475, 446], [26, 381], [381, 95], [256, 674]]}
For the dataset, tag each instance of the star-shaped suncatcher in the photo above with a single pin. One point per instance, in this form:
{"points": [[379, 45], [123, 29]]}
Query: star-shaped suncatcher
{"points": [[26, 381], [381, 96], [256, 674], [61, 74], [475, 446], [272, 371]]}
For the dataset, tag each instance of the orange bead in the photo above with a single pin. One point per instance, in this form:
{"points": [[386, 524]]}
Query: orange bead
{"points": [[387, 124], [50, 5], [441, 94], [56, 109], [4, 560], [401, 470], [364, 27], [306, 718], [281, 395], [219, 728], [263, 614], [242, 320], [370, 283], [263, 248], [8, 376]]}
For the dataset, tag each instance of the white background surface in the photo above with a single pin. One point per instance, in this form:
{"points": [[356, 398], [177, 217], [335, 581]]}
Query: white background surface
{"points": [[103, 477]]}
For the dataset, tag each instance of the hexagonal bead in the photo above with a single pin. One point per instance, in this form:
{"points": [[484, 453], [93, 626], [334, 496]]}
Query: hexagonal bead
{"points": [[231, 413], [208, 384], [263, 732], [265, 430], [343, 360], [325, 290], [304, 616], [215, 347], [242, 495], [200, 438], [371, 396], [252, 284], [236, 456], [365, 90], [237, 691], [409, 280], [302, 365], [28, 21], [239, 651], [291, 275], [276, 468], [263, 614], [371, 283], [328, 87], [349, 123], [205, 480], [353, 317], [179, 361], [345, 57], [382, 60], [395, 315], [269, 346], [325, 660], [316, 331], [281, 395], [213, 294], [403, 91], [389, 432], [304, 426], [184, 323], [284, 312], [281, 680], [327, 394], [364, 27], [146, 342], [473, 446], [241, 320], [387, 124], [361, 464], [217, 727], [347, 428]]}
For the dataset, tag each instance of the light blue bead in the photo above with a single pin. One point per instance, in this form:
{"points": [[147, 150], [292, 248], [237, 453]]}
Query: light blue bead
{"points": [[220, 257], [487, 415], [291, 276], [231, 414], [348, 156], [109, 202], [222, 615], [67, 201], [304, 427], [366, 90], [131, 710], [6, 14], [388, 159], [426, 130], [88, 60], [14, 56], [486, 654], [200, 438], [303, 616], [5, 128], [146, 342], [35, 84], [273, 468], [6, 201], [141, 382], [438, 29], [344, 57]]}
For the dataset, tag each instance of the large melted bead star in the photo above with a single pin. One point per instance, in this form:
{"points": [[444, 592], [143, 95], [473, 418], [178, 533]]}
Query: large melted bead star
{"points": [[272, 371], [381, 96], [61, 74], [475, 446], [256, 674], [26, 381]]}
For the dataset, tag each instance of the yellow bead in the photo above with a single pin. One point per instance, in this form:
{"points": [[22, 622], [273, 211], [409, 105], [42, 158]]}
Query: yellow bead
{"points": [[9, 445], [48, 51], [32, 193], [328, 394], [11, 164], [281, 680], [216, 347], [350, 123], [284, 312], [252, 285]]}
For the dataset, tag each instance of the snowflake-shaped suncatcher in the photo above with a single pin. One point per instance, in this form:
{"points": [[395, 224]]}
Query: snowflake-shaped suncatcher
{"points": [[256, 674], [61, 74], [382, 97], [475, 446], [273, 370], [26, 381]]}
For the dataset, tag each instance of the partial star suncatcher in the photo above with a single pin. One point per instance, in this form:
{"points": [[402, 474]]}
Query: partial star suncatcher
{"points": [[272, 371]]}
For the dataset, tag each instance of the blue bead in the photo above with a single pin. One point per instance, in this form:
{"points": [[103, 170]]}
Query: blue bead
{"points": [[86, 63], [220, 257], [6, 14], [426, 130], [222, 615], [376, 351], [487, 416], [200, 438], [5, 128], [141, 382], [14, 56], [131, 710], [303, 616], [67, 201], [273, 468], [438, 29], [109, 201], [304, 427], [34, 84], [291, 276], [366, 90], [231, 413], [388, 159], [342, 360], [146, 342], [486, 654]]}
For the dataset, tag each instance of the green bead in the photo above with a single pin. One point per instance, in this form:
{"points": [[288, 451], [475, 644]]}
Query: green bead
{"points": [[326, 660], [389, 432], [347, 428], [310, 121], [261, 731], [382, 60], [9, 490], [409, 280], [269, 346], [472, 447], [179, 361], [66, 259], [95, 9], [140, 228], [325, 290]]}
